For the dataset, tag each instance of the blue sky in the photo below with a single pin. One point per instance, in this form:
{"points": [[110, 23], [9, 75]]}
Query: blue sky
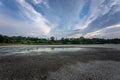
{"points": [[60, 18]]}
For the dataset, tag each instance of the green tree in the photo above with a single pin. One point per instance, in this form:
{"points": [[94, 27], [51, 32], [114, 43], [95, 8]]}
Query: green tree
{"points": [[52, 38]]}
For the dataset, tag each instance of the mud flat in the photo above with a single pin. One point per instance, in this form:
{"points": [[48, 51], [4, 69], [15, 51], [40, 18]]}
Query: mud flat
{"points": [[65, 62]]}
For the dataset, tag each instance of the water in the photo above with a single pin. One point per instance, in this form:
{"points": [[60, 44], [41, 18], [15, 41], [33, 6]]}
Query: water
{"points": [[42, 49], [5, 51]]}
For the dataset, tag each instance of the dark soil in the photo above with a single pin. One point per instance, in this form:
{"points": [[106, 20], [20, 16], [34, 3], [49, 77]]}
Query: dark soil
{"points": [[38, 67]]}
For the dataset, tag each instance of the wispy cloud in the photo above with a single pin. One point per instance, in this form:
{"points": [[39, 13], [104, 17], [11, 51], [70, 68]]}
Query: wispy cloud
{"points": [[58, 17], [33, 25], [14, 27], [37, 19], [37, 1], [108, 32]]}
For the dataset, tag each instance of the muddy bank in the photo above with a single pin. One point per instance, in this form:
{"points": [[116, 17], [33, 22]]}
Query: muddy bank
{"points": [[44, 66]]}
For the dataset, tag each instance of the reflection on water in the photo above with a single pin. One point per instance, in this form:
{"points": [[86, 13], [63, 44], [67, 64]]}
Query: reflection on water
{"points": [[38, 50], [34, 50]]}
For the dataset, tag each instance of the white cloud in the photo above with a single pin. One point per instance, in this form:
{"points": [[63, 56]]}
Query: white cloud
{"points": [[38, 21], [82, 27], [10, 26], [108, 32], [35, 25], [98, 8], [38, 25], [46, 4], [37, 1]]}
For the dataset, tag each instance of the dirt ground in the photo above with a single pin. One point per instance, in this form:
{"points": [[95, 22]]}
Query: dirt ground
{"points": [[90, 64]]}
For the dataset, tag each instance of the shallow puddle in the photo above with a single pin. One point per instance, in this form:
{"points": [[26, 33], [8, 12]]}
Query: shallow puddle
{"points": [[34, 50]]}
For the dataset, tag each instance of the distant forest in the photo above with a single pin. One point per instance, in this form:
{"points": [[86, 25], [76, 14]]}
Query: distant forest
{"points": [[41, 41]]}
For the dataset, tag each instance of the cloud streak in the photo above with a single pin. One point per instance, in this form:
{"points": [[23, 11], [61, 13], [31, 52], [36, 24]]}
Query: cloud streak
{"points": [[33, 23], [108, 32], [59, 18], [39, 22]]}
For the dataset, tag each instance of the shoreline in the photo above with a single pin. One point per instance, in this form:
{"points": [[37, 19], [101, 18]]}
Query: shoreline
{"points": [[114, 46]]}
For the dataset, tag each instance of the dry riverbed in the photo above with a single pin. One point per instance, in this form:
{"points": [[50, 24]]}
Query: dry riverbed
{"points": [[64, 62]]}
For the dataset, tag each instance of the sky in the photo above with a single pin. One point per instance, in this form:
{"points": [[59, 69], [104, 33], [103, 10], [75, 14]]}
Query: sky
{"points": [[60, 18]]}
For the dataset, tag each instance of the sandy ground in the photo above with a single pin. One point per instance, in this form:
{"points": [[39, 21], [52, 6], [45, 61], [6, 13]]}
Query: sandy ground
{"points": [[94, 63]]}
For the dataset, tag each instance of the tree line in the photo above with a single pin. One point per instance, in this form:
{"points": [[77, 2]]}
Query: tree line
{"points": [[31, 40]]}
